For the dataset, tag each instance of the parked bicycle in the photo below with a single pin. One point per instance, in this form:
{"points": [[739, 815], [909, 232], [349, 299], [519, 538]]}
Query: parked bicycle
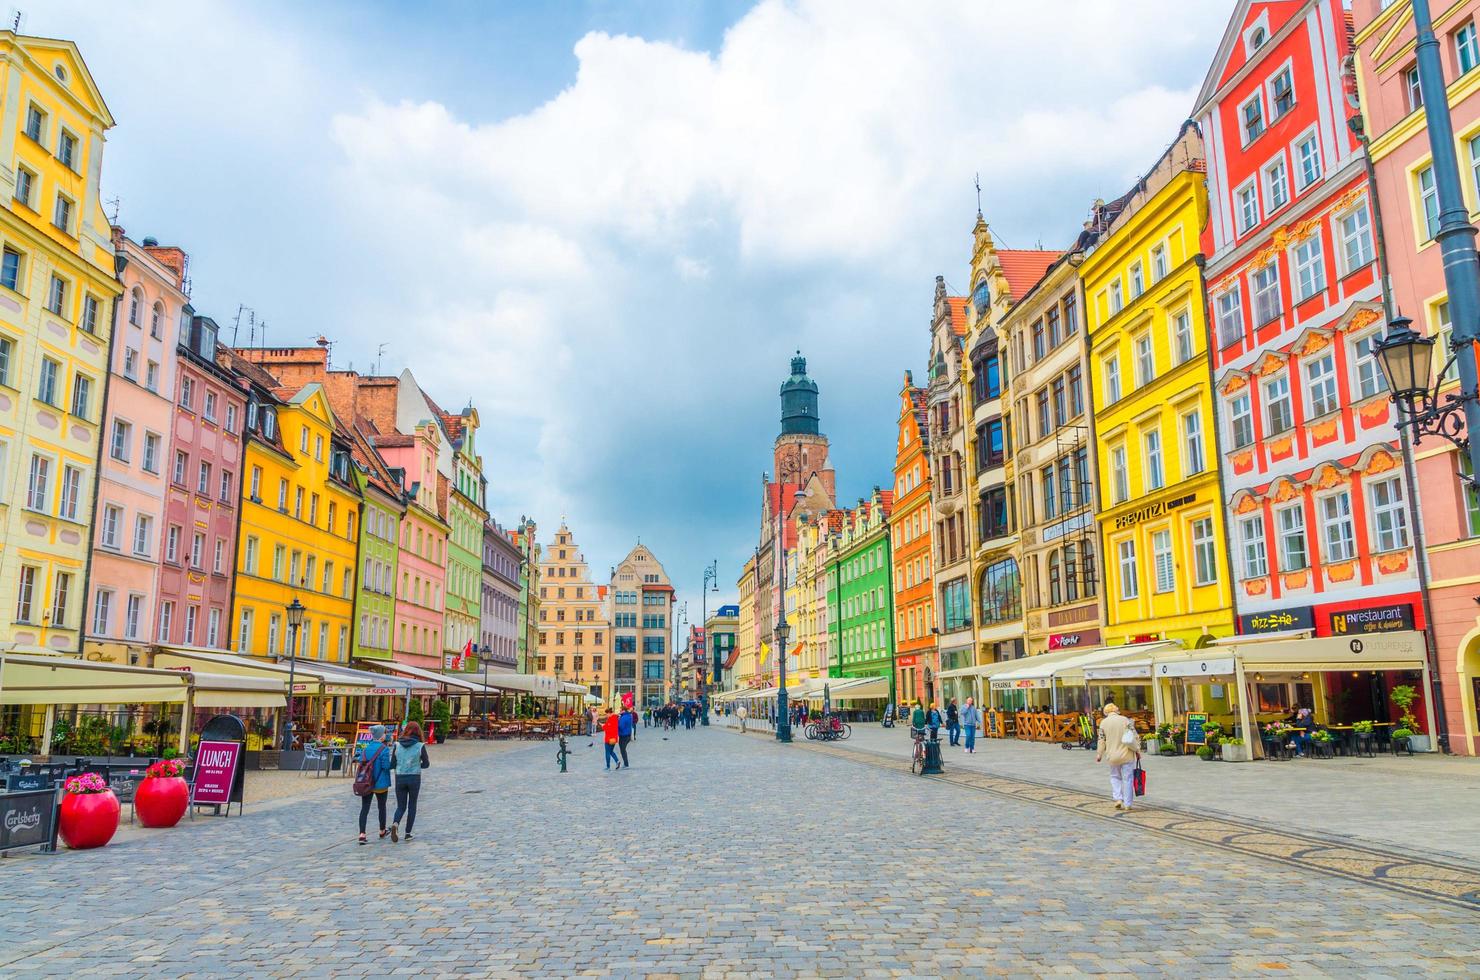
{"points": [[917, 761], [828, 729]]}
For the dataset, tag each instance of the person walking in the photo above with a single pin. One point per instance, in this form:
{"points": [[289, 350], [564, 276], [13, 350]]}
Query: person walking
{"points": [[971, 720], [742, 713], [374, 768], [610, 734], [953, 722], [1119, 745], [933, 721], [626, 728], [409, 756]]}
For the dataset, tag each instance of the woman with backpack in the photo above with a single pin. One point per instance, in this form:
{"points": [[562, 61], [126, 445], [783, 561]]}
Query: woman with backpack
{"points": [[409, 756], [373, 777]]}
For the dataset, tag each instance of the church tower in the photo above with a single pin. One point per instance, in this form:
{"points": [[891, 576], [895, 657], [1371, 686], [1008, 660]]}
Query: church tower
{"points": [[801, 449]]}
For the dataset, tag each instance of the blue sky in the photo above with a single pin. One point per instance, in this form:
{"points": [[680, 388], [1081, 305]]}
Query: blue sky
{"points": [[610, 224]]}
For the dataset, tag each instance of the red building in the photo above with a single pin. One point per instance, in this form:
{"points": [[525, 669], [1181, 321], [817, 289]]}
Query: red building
{"points": [[1320, 518]]}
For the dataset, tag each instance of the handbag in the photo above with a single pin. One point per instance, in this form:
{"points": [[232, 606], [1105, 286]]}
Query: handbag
{"points": [[364, 783], [1138, 779], [1129, 737]]}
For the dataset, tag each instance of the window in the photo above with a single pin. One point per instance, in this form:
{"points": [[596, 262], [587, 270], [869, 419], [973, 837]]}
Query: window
{"points": [[25, 594], [1155, 476], [1428, 193], [1248, 206], [1117, 297], [131, 364], [1161, 561], [1130, 588], [10, 270], [219, 561], [1293, 553], [1356, 239], [230, 418], [1138, 280], [1370, 379], [1389, 515], [1444, 335], [182, 463], [1230, 316], [213, 628], [1076, 392], [256, 488], [192, 613], [1310, 270], [203, 479], [143, 534], [38, 489], [35, 123], [1251, 530], [1320, 384], [197, 550], [119, 446], [166, 620], [1001, 592], [1266, 286], [1281, 94], [108, 529], [59, 598], [1276, 185], [1472, 496], [1044, 424], [1193, 458], [25, 187], [61, 217], [71, 492], [1159, 266], [1413, 89], [1119, 475], [67, 150], [1112, 379], [172, 544], [1145, 361], [1307, 161], [1050, 494], [1182, 342], [1241, 421], [1204, 551], [1277, 409], [89, 321], [187, 393], [131, 616], [1336, 526], [226, 485], [1466, 50], [209, 408], [244, 636], [1251, 114], [46, 386], [1071, 315], [102, 605]]}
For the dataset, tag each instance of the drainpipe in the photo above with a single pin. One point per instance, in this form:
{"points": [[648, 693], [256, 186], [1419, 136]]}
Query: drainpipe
{"points": [[98, 465]]}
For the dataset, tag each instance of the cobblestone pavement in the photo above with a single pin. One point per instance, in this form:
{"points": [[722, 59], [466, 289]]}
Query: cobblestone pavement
{"points": [[716, 856]]}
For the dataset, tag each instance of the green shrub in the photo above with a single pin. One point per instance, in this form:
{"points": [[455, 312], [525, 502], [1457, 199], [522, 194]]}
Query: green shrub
{"points": [[1205, 752]]}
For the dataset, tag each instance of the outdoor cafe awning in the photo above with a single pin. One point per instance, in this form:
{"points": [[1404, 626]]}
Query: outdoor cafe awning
{"points": [[59, 679], [540, 685], [1399, 650], [378, 684], [858, 688], [982, 670], [236, 691]]}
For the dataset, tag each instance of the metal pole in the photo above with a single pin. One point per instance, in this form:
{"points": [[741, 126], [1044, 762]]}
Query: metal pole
{"points": [[292, 663]]}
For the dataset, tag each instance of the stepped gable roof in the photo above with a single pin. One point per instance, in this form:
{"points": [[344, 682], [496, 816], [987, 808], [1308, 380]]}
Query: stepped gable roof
{"points": [[1023, 267], [886, 501]]}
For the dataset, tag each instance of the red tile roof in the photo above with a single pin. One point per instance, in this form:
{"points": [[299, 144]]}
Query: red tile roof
{"points": [[1024, 267], [957, 307]]}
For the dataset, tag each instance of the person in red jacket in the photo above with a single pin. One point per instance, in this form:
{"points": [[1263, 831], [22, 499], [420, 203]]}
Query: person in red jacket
{"points": [[609, 733]]}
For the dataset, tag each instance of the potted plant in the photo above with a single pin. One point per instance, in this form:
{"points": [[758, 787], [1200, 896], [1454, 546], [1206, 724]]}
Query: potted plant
{"points": [[1403, 740], [1234, 750], [441, 715], [1206, 753], [1363, 731], [89, 814], [1403, 696], [1168, 748], [162, 795], [1323, 743]]}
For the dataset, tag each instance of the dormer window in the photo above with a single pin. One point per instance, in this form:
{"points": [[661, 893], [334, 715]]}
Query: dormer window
{"points": [[981, 297], [1257, 37]]}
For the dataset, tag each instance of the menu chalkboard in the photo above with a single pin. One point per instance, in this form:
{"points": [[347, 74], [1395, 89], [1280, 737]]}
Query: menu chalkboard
{"points": [[1196, 728], [27, 819]]}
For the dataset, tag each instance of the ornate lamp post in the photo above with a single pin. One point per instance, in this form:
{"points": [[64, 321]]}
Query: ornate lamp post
{"points": [[783, 714], [295, 610], [483, 653], [711, 574]]}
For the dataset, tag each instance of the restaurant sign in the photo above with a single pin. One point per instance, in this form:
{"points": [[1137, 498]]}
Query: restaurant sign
{"points": [[215, 772], [1276, 620], [1380, 619], [909, 661], [1070, 641], [1152, 511], [28, 819], [1020, 684], [1196, 668]]}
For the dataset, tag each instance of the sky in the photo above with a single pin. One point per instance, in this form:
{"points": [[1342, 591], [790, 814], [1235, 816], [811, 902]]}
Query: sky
{"points": [[609, 225]]}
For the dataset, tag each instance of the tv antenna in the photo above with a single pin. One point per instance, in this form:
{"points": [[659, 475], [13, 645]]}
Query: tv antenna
{"points": [[17, 19], [379, 354], [978, 194], [115, 202], [237, 324]]}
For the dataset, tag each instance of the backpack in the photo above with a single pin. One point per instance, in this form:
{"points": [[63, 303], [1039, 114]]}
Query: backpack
{"points": [[364, 783]]}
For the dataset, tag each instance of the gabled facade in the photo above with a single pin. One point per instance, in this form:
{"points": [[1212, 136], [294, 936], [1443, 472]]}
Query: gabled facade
{"points": [[1162, 515], [1053, 464], [499, 619], [573, 624], [57, 320], [1402, 163], [465, 512], [745, 670], [911, 531], [527, 627], [720, 635], [642, 623], [865, 622], [1312, 470]]}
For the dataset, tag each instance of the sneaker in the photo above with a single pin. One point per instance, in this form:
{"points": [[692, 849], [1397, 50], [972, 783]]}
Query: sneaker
{"points": [[1119, 805], [395, 833], [408, 836]]}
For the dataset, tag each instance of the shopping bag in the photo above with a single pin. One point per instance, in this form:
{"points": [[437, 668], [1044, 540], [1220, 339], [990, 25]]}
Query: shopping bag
{"points": [[1138, 779]]}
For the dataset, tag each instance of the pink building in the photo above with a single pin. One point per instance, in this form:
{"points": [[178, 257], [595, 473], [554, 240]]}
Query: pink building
{"points": [[1392, 109], [134, 466], [198, 549]]}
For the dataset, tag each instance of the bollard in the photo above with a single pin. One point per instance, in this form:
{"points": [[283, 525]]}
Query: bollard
{"points": [[932, 765], [562, 753]]}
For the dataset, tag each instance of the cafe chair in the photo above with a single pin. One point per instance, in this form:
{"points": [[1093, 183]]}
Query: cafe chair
{"points": [[313, 753]]}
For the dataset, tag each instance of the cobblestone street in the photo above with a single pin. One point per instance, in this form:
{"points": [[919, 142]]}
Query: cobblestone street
{"points": [[714, 855]]}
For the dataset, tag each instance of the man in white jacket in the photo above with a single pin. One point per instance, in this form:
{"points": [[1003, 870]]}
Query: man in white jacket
{"points": [[1121, 748]]}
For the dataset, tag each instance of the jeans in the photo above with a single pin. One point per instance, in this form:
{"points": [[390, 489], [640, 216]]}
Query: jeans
{"points": [[408, 788], [622, 741], [970, 738], [1122, 783], [1302, 742], [954, 730], [379, 797], [934, 734], [611, 755]]}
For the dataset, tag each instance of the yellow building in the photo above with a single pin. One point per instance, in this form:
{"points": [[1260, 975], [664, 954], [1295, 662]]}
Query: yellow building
{"points": [[57, 297], [1161, 517], [745, 648], [299, 524]]}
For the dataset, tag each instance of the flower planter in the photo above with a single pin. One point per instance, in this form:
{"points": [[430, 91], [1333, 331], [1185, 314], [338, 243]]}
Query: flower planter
{"points": [[88, 819], [1236, 753], [1419, 743], [161, 801]]}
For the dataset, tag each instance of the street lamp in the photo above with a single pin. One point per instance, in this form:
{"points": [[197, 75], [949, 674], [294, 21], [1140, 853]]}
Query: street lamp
{"points": [[1407, 361], [295, 610], [783, 717], [483, 653], [711, 574]]}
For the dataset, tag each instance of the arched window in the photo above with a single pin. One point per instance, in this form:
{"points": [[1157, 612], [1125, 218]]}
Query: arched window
{"points": [[155, 319], [1001, 592], [1055, 578], [1071, 574], [135, 306]]}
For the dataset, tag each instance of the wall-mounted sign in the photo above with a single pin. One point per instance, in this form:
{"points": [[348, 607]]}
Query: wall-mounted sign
{"points": [[1057, 530], [1380, 619], [1023, 684], [1196, 668], [1275, 620], [1152, 511], [909, 661], [1084, 639]]}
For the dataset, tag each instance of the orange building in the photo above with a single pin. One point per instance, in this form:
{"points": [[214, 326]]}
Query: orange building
{"points": [[916, 657]]}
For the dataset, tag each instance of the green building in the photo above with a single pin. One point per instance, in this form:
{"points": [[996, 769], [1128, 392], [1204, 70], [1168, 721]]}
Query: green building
{"points": [[380, 531], [861, 592]]}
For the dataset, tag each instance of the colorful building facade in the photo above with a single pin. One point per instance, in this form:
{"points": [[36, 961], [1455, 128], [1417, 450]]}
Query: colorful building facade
{"points": [[641, 596], [911, 533], [574, 628], [865, 592], [951, 491]]}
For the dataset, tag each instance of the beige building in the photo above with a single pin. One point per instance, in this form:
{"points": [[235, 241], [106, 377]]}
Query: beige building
{"points": [[642, 626], [1052, 463], [573, 618]]}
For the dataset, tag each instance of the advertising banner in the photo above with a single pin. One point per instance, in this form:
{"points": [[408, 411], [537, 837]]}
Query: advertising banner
{"points": [[27, 819], [215, 771]]}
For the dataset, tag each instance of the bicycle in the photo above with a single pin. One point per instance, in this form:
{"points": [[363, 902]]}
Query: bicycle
{"points": [[917, 763]]}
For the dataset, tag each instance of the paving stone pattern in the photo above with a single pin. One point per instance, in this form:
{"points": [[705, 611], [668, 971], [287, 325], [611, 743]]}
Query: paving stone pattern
{"points": [[713, 856]]}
